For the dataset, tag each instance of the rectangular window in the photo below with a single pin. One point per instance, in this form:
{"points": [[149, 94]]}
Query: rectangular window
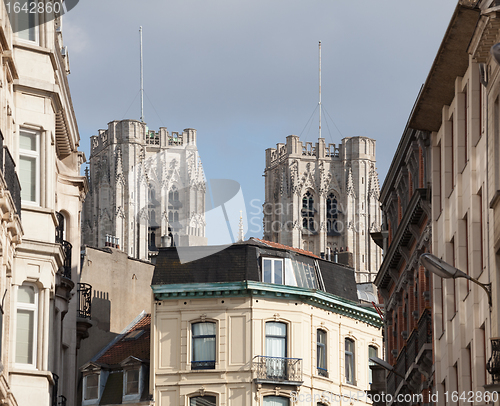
{"points": [[27, 312], [91, 387], [24, 22], [372, 352], [203, 348], [276, 350], [321, 353], [132, 382], [272, 270], [29, 165], [349, 361], [203, 401]]}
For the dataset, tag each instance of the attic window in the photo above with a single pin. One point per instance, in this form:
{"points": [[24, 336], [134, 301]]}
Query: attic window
{"points": [[133, 335], [292, 272]]}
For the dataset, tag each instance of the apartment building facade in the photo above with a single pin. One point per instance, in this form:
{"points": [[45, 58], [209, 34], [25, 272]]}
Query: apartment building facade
{"points": [[259, 324], [41, 197]]}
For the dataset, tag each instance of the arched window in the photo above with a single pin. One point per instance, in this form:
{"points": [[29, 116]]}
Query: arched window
{"points": [[203, 345], [332, 212], [349, 361], [308, 211], [321, 353], [26, 330]]}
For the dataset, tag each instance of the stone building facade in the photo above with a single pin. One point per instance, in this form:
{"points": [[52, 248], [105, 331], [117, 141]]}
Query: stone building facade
{"points": [[404, 285], [324, 198], [43, 307], [259, 324], [147, 189]]}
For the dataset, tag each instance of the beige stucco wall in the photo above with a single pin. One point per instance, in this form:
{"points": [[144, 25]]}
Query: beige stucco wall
{"points": [[120, 292], [240, 337]]}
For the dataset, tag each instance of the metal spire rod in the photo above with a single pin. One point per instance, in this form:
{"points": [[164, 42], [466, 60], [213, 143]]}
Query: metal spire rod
{"points": [[319, 89], [142, 80]]}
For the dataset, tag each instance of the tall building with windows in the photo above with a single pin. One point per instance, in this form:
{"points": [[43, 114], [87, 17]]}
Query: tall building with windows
{"points": [[259, 323], [324, 199], [147, 190], [44, 313]]}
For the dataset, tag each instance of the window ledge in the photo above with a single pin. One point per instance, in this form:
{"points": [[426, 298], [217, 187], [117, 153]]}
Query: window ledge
{"points": [[17, 370]]}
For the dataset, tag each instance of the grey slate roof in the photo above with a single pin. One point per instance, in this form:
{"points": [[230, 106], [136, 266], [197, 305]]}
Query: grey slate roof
{"points": [[241, 262]]}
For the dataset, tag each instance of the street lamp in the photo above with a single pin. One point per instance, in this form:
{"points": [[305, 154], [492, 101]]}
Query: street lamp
{"points": [[446, 271]]}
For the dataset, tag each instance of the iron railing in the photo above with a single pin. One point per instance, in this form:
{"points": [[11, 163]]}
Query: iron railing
{"points": [[493, 365], [400, 366], [391, 383], [411, 347], [424, 330], [55, 388], [278, 369], [67, 247], [62, 401], [84, 300], [203, 364], [12, 180]]}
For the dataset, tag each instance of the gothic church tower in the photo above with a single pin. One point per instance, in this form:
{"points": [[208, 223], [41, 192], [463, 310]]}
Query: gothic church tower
{"points": [[147, 189], [324, 199]]}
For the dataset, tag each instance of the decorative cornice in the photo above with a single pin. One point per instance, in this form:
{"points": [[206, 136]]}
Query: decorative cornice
{"points": [[316, 298]]}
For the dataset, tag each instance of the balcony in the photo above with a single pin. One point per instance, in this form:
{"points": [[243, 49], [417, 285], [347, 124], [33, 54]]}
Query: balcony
{"points": [[493, 365], [11, 179], [84, 300], [83, 323], [66, 268], [424, 346], [286, 371]]}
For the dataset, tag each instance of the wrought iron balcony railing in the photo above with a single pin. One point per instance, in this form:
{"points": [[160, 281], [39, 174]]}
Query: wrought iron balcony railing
{"points": [[424, 330], [400, 367], [67, 247], [411, 347], [62, 401], [278, 370], [55, 388], [84, 300], [11, 179], [493, 365]]}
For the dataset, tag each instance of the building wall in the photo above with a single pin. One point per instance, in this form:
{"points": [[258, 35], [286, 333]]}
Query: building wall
{"points": [[346, 172], [240, 337], [134, 173], [35, 98], [121, 290]]}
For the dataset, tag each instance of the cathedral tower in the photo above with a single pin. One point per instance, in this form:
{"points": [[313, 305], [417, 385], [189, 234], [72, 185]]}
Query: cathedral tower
{"points": [[324, 199]]}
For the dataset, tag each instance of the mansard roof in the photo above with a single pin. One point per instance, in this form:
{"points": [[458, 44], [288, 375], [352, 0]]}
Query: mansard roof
{"points": [[241, 262]]}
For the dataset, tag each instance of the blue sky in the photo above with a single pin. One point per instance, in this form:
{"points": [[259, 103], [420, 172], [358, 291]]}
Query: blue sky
{"points": [[245, 73]]}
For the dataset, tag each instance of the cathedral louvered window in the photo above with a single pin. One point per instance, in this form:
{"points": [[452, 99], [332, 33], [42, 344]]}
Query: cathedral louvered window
{"points": [[308, 212], [332, 215]]}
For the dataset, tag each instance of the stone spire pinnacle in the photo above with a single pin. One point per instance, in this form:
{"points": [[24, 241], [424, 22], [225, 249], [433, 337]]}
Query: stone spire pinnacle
{"points": [[241, 235]]}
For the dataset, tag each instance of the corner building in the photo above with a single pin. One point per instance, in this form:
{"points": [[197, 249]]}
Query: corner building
{"points": [[324, 199], [258, 324], [147, 190]]}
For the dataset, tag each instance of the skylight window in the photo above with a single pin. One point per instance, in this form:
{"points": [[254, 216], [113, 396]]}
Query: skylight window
{"points": [[133, 335], [290, 272]]}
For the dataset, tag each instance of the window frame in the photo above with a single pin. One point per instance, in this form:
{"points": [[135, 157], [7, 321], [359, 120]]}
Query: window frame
{"points": [[352, 363], [322, 371], [29, 155], [370, 372], [210, 364], [126, 382], [85, 388], [204, 396], [273, 261], [275, 397], [28, 307], [14, 19]]}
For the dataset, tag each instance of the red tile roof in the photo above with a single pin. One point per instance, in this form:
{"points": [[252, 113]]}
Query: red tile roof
{"points": [[285, 247], [124, 348]]}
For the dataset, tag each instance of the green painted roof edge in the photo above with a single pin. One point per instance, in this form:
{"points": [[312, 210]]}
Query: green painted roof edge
{"points": [[317, 298]]}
